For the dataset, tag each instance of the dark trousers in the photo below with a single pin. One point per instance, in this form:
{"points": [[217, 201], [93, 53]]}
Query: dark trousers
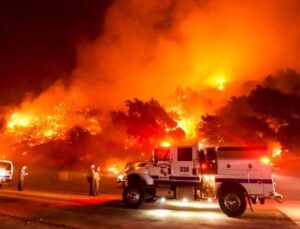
{"points": [[91, 192], [20, 185]]}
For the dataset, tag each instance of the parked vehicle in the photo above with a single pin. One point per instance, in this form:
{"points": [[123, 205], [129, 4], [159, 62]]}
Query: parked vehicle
{"points": [[232, 175], [6, 172]]}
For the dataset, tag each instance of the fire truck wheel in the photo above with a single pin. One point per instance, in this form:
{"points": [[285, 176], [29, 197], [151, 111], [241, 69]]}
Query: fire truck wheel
{"points": [[232, 202], [133, 196]]}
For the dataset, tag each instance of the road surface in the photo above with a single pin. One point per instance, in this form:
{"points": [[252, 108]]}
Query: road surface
{"points": [[41, 209], [58, 199]]}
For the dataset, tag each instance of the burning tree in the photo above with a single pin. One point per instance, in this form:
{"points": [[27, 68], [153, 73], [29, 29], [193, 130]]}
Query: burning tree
{"points": [[148, 122]]}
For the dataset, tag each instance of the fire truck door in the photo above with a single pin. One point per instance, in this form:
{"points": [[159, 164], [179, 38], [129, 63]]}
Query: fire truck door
{"points": [[255, 182], [183, 164], [162, 163]]}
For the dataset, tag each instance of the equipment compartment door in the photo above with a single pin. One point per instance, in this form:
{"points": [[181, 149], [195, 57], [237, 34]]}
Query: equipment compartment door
{"points": [[255, 181]]}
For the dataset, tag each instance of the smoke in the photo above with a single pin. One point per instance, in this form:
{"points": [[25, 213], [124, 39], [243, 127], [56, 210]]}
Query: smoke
{"points": [[210, 47], [150, 49], [286, 81]]}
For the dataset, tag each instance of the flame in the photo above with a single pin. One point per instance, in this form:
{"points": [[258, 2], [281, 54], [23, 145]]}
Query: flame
{"points": [[186, 120], [165, 144], [218, 81], [19, 120], [38, 126], [113, 170], [265, 160], [220, 84], [276, 149], [188, 124]]}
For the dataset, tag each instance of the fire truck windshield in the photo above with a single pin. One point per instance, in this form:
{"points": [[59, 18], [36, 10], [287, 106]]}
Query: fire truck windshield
{"points": [[161, 154], [5, 165]]}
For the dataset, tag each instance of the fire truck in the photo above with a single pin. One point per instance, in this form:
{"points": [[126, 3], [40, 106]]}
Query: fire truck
{"points": [[234, 176]]}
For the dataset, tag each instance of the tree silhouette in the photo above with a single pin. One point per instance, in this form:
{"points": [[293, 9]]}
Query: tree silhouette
{"points": [[147, 121]]}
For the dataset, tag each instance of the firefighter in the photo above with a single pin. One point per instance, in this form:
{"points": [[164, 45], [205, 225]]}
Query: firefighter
{"points": [[22, 175], [97, 182], [91, 179]]}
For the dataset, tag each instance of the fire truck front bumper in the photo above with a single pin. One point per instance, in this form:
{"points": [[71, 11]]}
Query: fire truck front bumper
{"points": [[274, 195], [277, 197]]}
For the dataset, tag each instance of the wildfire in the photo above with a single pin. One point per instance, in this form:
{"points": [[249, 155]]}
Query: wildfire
{"points": [[187, 121], [188, 124], [113, 170], [220, 84], [19, 120], [276, 150], [218, 81], [38, 128], [165, 144]]}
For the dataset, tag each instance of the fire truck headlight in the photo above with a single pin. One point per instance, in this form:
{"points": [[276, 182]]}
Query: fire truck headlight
{"points": [[2, 172], [206, 178], [120, 177], [163, 200]]}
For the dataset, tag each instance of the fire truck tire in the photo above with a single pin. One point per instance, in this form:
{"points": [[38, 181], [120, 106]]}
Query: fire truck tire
{"points": [[133, 196], [232, 202]]}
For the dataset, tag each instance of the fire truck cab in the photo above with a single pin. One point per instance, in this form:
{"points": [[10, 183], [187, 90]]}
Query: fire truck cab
{"points": [[232, 175]]}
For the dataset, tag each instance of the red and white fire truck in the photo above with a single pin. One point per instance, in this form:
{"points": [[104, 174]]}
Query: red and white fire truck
{"points": [[233, 175]]}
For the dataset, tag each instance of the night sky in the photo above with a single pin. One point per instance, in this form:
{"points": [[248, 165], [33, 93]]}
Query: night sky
{"points": [[39, 39]]}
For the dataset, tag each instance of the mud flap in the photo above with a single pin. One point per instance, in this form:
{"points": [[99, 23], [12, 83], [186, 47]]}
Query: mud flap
{"points": [[250, 203]]}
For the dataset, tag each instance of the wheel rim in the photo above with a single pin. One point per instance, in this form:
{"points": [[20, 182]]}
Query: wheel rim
{"points": [[133, 196], [232, 202]]}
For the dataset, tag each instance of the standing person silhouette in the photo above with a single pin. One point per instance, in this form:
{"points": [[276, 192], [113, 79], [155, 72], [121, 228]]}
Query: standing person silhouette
{"points": [[22, 175], [91, 180], [97, 182]]}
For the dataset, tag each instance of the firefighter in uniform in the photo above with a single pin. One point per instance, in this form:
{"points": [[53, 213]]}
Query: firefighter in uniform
{"points": [[97, 182], [91, 180]]}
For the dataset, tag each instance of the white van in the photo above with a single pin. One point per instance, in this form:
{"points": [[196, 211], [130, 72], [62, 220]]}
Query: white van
{"points": [[6, 171]]}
